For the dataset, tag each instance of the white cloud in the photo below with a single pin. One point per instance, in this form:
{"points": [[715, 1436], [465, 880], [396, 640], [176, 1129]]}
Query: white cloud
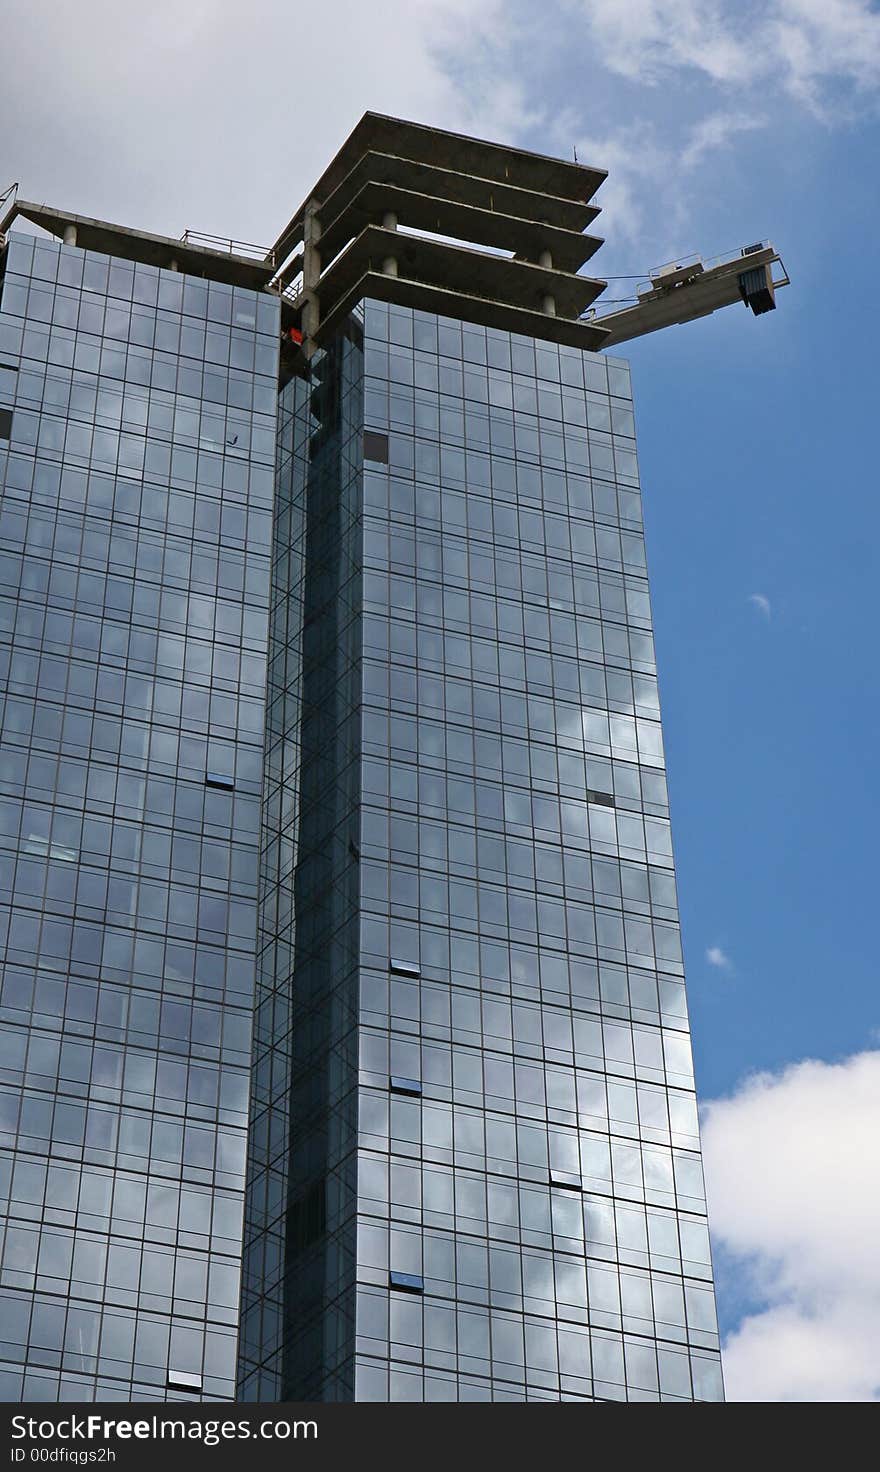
{"points": [[648, 163], [818, 41], [762, 603], [707, 72], [696, 75], [646, 39], [202, 115], [804, 46], [793, 1172], [716, 957], [167, 116], [635, 160], [715, 131]]}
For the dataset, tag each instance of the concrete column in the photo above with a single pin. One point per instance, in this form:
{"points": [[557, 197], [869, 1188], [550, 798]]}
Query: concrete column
{"points": [[172, 265], [389, 222], [311, 314], [545, 261], [69, 235]]}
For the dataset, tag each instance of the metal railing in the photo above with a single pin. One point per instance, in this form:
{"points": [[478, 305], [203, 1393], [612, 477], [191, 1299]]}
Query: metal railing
{"points": [[654, 279], [229, 247], [726, 257]]}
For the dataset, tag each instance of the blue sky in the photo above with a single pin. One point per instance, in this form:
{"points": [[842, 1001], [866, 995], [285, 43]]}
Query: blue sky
{"points": [[760, 490], [721, 123]]}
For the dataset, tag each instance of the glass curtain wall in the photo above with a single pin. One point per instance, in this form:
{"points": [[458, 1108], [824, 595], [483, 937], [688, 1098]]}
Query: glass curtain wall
{"points": [[298, 1301], [530, 1212], [138, 415]]}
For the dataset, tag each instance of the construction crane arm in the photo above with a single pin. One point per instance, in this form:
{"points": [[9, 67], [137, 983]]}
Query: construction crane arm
{"points": [[681, 293]]}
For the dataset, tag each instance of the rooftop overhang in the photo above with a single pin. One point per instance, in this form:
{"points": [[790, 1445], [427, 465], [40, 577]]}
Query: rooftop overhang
{"points": [[445, 184], [466, 308], [150, 250], [457, 268], [418, 156], [524, 236], [454, 225]]}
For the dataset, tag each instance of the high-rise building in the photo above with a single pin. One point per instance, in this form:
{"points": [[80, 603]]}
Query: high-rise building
{"points": [[330, 707]]}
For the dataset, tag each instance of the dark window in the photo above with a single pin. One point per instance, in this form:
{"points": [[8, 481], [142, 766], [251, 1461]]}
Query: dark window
{"points": [[182, 1380], [409, 1282], [604, 798], [375, 446], [5, 424], [562, 1178], [217, 779], [404, 1085], [405, 968]]}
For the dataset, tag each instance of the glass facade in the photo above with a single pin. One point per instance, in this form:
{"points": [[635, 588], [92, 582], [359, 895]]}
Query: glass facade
{"points": [[138, 412], [474, 1169], [332, 803], [298, 1301]]}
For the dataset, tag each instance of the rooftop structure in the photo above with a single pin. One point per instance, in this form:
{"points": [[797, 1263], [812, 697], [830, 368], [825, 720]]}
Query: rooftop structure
{"points": [[443, 223], [187, 255]]}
